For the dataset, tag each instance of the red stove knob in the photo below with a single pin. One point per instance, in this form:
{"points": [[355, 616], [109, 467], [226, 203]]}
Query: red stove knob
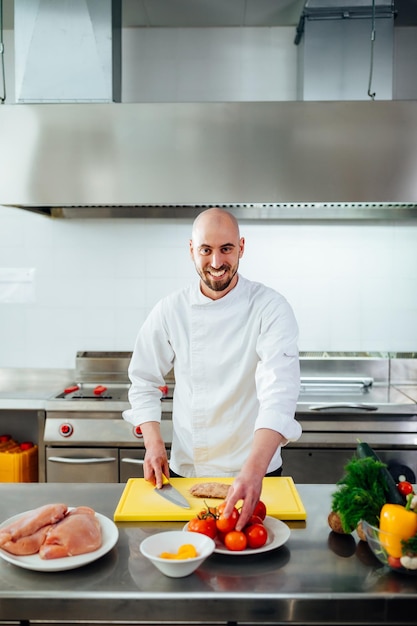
{"points": [[99, 390], [66, 429], [71, 389], [137, 431]]}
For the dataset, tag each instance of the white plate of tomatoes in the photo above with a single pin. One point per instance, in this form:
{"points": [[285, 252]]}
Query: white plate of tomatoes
{"points": [[278, 534]]}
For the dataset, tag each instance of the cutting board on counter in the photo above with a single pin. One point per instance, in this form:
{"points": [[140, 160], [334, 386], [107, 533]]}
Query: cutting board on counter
{"points": [[140, 502]]}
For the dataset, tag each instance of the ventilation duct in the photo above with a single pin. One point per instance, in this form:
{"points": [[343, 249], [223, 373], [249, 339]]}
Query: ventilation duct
{"points": [[67, 50], [344, 49]]}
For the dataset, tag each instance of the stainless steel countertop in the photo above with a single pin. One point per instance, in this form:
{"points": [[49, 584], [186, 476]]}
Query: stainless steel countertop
{"points": [[30, 388], [35, 389], [315, 578], [409, 390]]}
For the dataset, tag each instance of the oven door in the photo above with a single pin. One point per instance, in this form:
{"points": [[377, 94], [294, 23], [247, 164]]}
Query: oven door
{"points": [[131, 463], [82, 465]]}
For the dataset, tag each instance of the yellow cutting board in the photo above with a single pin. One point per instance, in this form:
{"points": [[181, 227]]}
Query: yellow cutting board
{"points": [[140, 501]]}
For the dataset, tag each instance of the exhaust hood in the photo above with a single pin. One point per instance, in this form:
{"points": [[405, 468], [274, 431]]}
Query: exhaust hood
{"points": [[268, 160], [72, 152]]}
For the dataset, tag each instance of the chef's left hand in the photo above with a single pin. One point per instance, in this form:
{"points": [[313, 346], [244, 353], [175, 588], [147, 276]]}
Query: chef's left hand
{"points": [[247, 485], [247, 488]]}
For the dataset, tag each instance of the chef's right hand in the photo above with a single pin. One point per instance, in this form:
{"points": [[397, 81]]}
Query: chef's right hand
{"points": [[156, 460], [155, 465]]}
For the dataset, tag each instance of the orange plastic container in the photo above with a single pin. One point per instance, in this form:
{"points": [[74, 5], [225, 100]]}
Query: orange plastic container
{"points": [[18, 462]]}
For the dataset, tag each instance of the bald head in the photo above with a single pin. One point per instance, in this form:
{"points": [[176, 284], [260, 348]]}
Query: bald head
{"points": [[216, 247], [215, 219]]}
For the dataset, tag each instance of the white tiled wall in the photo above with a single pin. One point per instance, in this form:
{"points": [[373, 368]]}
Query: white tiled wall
{"points": [[352, 286], [209, 64]]}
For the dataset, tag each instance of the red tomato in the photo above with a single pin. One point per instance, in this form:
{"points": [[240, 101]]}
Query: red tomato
{"points": [[235, 540], [405, 488], [211, 525], [226, 524], [254, 519], [220, 536], [260, 510], [204, 526], [394, 562], [256, 534]]}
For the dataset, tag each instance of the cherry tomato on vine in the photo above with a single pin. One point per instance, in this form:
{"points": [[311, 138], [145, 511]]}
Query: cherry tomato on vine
{"points": [[254, 519], [405, 488], [260, 510], [256, 535], [206, 526], [209, 511], [235, 540], [220, 536], [226, 524]]}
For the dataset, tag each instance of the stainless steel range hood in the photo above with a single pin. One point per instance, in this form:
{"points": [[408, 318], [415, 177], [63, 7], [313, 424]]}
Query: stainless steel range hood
{"points": [[66, 152], [285, 160]]}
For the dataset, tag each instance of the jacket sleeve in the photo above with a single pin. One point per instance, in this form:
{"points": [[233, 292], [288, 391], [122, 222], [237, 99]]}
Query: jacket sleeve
{"points": [[151, 360], [278, 371]]}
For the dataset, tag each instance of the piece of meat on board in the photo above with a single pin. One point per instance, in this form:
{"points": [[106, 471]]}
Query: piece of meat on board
{"points": [[30, 522], [25, 546], [78, 533], [209, 490]]}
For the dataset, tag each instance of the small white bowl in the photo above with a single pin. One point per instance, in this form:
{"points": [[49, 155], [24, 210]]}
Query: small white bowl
{"points": [[170, 541]]}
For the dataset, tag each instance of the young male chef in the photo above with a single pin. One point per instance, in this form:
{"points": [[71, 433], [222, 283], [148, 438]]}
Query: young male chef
{"points": [[233, 345]]}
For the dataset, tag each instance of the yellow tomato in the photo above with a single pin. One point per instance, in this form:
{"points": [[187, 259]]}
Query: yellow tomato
{"points": [[186, 551]]}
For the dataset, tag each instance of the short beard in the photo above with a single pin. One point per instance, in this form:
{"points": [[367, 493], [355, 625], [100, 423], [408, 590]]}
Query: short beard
{"points": [[216, 285]]}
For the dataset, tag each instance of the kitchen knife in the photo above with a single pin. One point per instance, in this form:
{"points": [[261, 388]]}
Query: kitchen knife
{"points": [[171, 494]]}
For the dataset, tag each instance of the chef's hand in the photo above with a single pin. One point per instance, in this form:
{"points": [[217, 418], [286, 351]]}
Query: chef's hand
{"points": [[156, 460], [247, 488], [247, 485]]}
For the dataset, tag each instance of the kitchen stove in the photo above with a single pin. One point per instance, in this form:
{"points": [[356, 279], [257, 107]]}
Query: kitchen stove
{"points": [[94, 392], [101, 383], [85, 437], [344, 398], [109, 391]]}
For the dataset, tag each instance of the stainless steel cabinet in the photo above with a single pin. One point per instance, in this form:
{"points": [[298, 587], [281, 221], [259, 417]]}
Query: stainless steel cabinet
{"points": [[326, 465]]}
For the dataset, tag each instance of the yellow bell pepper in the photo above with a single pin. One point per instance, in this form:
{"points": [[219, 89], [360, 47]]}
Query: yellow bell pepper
{"points": [[399, 523]]}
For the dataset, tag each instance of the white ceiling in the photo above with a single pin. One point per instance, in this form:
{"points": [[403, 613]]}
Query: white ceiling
{"points": [[205, 13]]}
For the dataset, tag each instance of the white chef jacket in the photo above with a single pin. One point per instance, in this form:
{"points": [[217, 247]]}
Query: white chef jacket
{"points": [[236, 370]]}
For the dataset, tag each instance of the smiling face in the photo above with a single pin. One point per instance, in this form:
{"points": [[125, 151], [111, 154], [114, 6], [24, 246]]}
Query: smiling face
{"points": [[216, 247]]}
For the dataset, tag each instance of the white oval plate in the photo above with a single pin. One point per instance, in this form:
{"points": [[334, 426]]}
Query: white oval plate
{"points": [[278, 534], [110, 534]]}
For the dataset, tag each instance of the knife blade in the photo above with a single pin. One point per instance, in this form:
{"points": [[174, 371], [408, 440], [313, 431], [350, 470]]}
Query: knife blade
{"points": [[171, 494]]}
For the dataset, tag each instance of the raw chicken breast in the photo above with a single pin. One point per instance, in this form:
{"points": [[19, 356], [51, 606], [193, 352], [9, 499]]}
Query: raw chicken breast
{"points": [[78, 533], [27, 545], [32, 521]]}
